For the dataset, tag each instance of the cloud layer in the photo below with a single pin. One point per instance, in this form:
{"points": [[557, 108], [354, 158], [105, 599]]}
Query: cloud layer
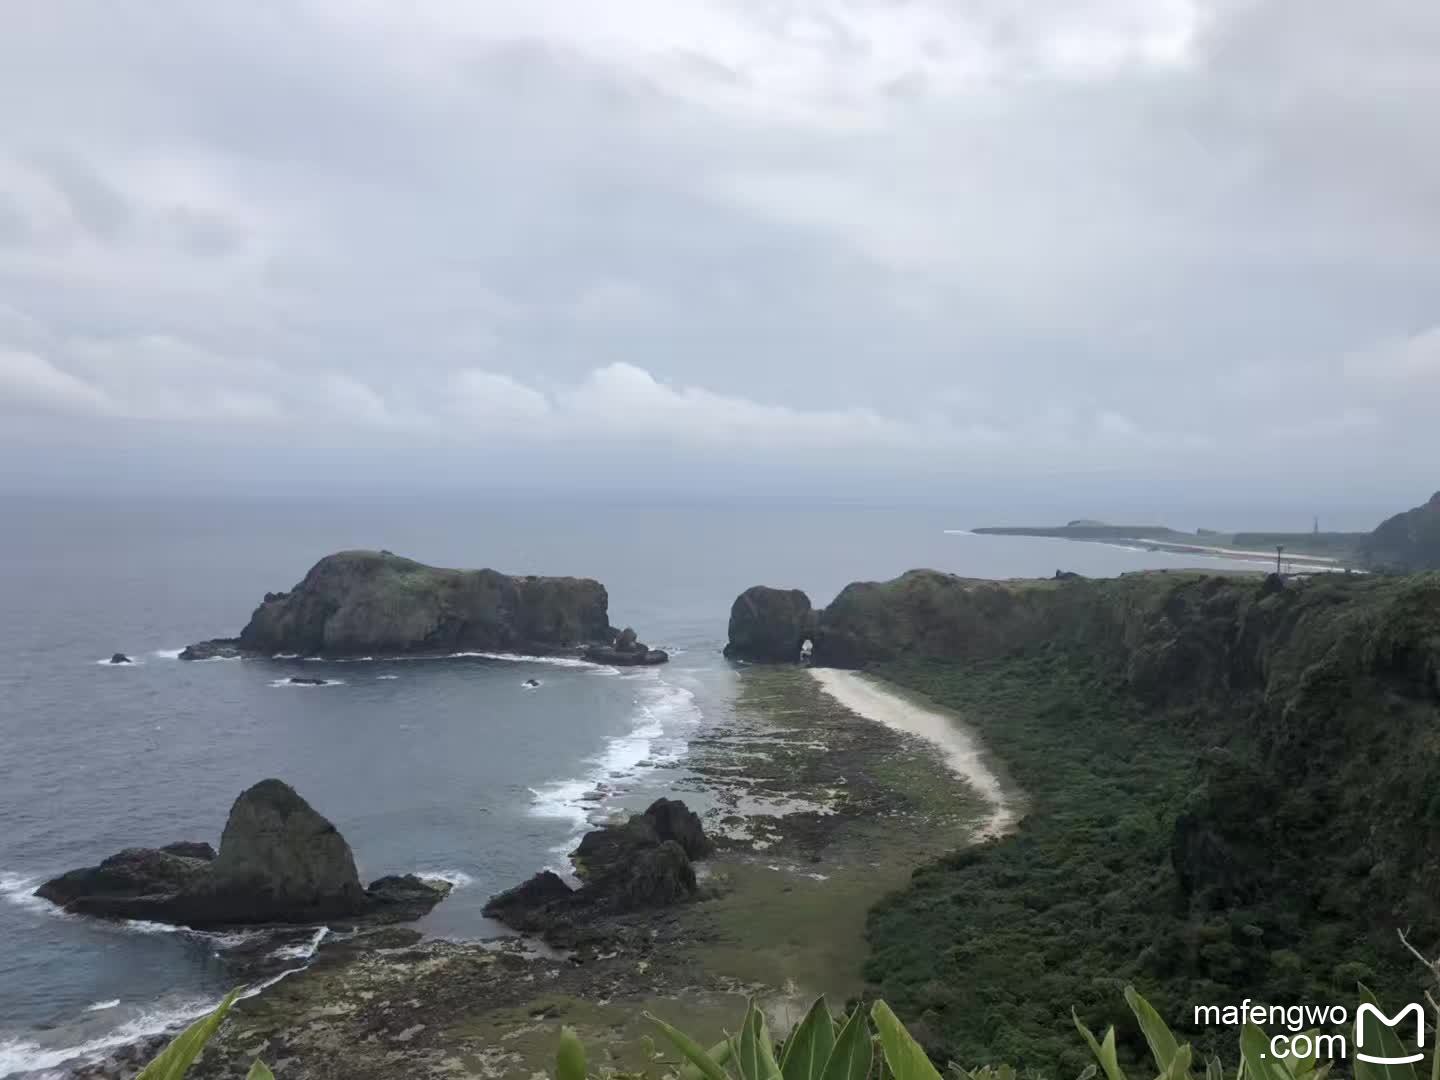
{"points": [[1144, 238]]}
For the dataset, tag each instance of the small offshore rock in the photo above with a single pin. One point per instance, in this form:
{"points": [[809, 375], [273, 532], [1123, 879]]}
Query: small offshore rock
{"points": [[121, 658], [215, 649]]}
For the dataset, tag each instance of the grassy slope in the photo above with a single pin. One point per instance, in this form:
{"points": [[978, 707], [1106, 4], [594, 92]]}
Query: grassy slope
{"points": [[987, 950]]}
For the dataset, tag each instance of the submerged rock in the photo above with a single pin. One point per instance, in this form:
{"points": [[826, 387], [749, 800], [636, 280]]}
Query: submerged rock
{"points": [[301, 680], [280, 861], [215, 649]]}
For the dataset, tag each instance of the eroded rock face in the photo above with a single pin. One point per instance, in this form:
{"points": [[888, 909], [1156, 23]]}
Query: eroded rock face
{"points": [[643, 863], [365, 602], [375, 603], [280, 861], [768, 625]]}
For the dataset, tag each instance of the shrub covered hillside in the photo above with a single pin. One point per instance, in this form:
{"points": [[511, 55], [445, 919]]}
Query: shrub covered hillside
{"points": [[1234, 791], [1243, 800]]}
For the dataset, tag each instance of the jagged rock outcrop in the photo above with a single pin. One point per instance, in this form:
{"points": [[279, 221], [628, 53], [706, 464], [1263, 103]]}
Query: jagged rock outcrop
{"points": [[626, 650], [371, 603], [1408, 541], [642, 863], [120, 658], [280, 861], [768, 625]]}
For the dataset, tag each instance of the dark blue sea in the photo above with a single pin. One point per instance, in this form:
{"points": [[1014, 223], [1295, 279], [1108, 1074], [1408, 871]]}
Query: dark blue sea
{"points": [[448, 767]]}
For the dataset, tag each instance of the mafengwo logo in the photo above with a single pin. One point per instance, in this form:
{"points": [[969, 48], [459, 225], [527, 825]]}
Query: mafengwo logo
{"points": [[1321, 1032], [1366, 1009]]}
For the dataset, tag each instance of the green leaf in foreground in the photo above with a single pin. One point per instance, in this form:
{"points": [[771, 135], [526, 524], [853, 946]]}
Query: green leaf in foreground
{"points": [[258, 1071], [1162, 1043], [809, 1046], [186, 1047], [1104, 1051], [570, 1057], [906, 1058], [697, 1055], [756, 1059], [851, 1057]]}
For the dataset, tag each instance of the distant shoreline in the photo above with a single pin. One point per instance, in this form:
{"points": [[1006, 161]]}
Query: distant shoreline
{"points": [[1223, 545]]}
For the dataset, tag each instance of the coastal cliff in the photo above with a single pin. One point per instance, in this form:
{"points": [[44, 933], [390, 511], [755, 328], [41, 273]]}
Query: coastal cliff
{"points": [[364, 603], [1233, 786]]}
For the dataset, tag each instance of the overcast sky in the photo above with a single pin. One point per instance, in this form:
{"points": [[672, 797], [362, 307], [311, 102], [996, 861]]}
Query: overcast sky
{"points": [[890, 245]]}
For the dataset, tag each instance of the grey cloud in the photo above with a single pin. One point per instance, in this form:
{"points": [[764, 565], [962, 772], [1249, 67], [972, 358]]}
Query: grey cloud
{"points": [[1143, 236]]}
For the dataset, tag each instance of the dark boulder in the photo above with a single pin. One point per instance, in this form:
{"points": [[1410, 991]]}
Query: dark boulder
{"points": [[768, 625], [602, 849], [658, 876], [280, 861], [521, 906], [642, 863], [673, 820], [121, 658], [141, 875], [404, 896], [301, 680]]}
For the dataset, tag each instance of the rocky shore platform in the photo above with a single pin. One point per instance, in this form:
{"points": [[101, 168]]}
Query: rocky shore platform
{"points": [[812, 814]]}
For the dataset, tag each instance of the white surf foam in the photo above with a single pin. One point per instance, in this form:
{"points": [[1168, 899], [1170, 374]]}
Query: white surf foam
{"points": [[22, 1056], [663, 711], [27, 1056], [302, 951], [387, 676], [286, 656], [20, 891], [133, 663], [144, 926], [168, 654], [523, 658], [457, 879]]}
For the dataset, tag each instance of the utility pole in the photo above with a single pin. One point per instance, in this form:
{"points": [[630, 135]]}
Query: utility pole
{"points": [[1279, 550]]}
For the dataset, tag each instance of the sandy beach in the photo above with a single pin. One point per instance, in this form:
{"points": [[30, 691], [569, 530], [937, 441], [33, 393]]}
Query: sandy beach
{"points": [[961, 749]]}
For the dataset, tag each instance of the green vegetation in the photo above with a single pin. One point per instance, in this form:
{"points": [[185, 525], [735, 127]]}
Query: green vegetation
{"points": [[990, 945], [875, 1044]]}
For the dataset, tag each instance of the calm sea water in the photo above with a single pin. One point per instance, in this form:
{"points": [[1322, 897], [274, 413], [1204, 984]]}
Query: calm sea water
{"points": [[449, 767]]}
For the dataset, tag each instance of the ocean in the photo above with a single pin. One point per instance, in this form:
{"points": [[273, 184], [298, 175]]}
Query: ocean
{"points": [[450, 767]]}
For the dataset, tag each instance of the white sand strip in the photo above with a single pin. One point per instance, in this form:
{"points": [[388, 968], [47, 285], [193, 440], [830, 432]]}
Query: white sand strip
{"points": [[961, 749]]}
